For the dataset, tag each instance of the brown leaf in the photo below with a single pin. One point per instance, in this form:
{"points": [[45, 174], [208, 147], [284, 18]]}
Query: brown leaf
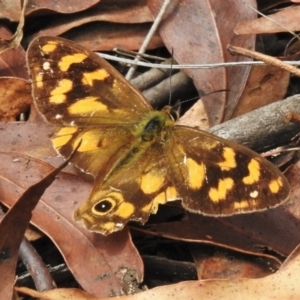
{"points": [[293, 205], [14, 224], [58, 294], [128, 12], [10, 9], [12, 61], [240, 233], [16, 98], [15, 40], [106, 26], [226, 264], [198, 32], [61, 6], [265, 85], [196, 116], [287, 18], [99, 36]]}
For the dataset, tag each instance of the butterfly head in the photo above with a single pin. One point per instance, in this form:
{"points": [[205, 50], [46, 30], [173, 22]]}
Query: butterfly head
{"points": [[172, 111]]}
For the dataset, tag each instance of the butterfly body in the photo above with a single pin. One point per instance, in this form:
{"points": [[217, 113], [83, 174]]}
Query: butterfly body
{"points": [[138, 156]]}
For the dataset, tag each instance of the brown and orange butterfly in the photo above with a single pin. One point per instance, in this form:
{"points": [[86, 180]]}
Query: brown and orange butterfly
{"points": [[138, 156]]}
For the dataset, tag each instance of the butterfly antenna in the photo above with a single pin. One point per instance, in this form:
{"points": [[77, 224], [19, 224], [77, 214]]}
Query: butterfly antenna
{"points": [[170, 77], [201, 95]]}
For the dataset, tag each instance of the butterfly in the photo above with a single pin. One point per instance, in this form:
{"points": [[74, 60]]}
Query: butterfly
{"points": [[138, 156]]}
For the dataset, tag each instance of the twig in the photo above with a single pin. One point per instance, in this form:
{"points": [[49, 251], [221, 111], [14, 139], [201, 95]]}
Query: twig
{"points": [[148, 37], [189, 66], [266, 58], [36, 267]]}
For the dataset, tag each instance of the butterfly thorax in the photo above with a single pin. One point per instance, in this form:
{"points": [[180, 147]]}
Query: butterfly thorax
{"points": [[153, 130], [155, 126]]}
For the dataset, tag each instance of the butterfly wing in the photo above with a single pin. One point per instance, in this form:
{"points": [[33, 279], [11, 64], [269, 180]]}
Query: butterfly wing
{"points": [[100, 147], [217, 177], [76, 88], [131, 192]]}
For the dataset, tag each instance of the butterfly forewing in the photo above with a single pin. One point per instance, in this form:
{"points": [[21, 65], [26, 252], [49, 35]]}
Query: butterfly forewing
{"points": [[73, 86]]}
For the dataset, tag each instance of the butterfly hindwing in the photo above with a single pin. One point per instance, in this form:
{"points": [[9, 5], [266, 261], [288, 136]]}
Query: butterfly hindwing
{"points": [[138, 175], [218, 177], [96, 153]]}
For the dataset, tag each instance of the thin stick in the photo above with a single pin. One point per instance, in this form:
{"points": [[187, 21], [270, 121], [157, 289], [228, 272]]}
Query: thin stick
{"points": [[266, 58], [188, 66], [148, 37]]}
